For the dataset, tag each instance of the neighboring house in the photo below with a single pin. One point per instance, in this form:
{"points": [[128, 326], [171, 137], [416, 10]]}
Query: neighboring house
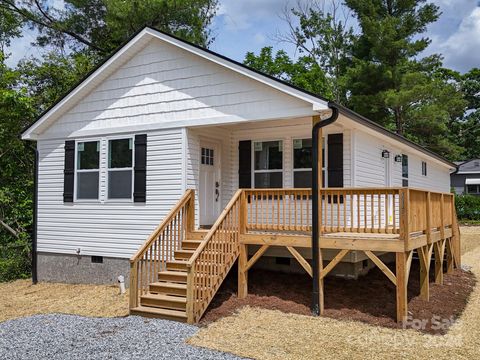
{"points": [[161, 116], [466, 178]]}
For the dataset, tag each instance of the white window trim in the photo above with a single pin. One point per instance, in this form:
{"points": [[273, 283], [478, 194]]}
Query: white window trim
{"points": [[472, 193], [282, 170], [324, 168], [107, 168], [75, 181]]}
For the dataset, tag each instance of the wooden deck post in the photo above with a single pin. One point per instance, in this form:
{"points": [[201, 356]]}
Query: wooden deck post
{"points": [[401, 275], [133, 285], [243, 272], [190, 297], [191, 215], [424, 258], [450, 259], [439, 248]]}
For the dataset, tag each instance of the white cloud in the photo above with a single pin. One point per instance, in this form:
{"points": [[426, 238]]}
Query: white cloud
{"points": [[259, 38], [460, 49], [238, 15]]}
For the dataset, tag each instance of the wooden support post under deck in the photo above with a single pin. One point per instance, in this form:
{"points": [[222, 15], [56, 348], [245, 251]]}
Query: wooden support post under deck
{"points": [[439, 248], [402, 280], [450, 260], [243, 272], [424, 257]]}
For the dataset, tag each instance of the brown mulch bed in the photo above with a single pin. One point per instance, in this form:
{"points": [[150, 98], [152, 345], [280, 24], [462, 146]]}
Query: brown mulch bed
{"points": [[370, 299]]}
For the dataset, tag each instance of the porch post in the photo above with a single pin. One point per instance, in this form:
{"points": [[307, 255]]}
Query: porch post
{"points": [[317, 262]]}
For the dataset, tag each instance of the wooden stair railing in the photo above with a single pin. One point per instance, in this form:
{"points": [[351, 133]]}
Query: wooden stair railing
{"points": [[212, 260], [160, 247]]}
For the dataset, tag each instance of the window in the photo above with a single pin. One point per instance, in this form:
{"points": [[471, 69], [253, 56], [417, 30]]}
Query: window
{"points": [[424, 168], [87, 170], [207, 156], [120, 168], [302, 163], [404, 170], [473, 189], [268, 164]]}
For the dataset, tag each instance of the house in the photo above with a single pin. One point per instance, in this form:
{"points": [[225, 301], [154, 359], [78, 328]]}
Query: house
{"points": [[216, 159], [466, 178]]}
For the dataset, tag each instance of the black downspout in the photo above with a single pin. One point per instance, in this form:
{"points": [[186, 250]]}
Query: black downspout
{"points": [[35, 215], [315, 206]]}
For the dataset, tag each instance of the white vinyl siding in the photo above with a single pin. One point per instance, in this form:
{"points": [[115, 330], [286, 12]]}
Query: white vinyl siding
{"points": [[107, 228], [370, 166], [165, 86]]}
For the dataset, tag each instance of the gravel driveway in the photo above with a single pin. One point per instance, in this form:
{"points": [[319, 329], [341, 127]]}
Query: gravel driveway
{"points": [[58, 336]]}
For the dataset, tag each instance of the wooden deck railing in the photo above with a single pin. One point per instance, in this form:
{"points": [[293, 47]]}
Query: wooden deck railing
{"points": [[160, 247], [279, 209], [213, 259]]}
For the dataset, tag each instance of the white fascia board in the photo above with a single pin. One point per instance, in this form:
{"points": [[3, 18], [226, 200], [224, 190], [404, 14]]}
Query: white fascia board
{"points": [[144, 36]]}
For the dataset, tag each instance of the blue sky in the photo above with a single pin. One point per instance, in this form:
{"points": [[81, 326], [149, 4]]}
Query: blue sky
{"points": [[248, 25]]}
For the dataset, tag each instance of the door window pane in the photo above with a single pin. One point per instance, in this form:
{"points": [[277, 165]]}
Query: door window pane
{"points": [[207, 156], [268, 155], [87, 185]]}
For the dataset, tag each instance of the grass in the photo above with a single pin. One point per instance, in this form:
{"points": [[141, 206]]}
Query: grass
{"points": [[20, 298], [270, 334]]}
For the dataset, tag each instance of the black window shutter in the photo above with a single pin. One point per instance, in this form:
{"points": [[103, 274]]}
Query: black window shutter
{"points": [[69, 171], [140, 172], [335, 160], [245, 164]]}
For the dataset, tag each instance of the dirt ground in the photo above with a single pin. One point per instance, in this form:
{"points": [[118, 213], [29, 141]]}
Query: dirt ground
{"points": [[271, 334], [370, 299], [20, 298]]}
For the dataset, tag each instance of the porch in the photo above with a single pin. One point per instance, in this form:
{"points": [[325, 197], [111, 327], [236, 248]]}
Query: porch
{"points": [[179, 269]]}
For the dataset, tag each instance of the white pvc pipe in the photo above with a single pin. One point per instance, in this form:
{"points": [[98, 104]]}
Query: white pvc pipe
{"points": [[121, 284]]}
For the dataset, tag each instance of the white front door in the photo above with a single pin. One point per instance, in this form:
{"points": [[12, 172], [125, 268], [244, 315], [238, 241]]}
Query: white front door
{"points": [[209, 191]]}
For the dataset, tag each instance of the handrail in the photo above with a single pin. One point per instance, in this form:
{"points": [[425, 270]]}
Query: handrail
{"points": [[214, 228], [183, 200], [160, 246], [212, 260]]}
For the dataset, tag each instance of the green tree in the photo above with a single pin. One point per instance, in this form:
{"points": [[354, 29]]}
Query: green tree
{"points": [[322, 35], [388, 82], [304, 73], [468, 129], [100, 26], [16, 177]]}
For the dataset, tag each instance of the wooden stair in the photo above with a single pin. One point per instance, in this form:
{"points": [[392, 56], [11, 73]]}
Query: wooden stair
{"points": [[167, 297]]}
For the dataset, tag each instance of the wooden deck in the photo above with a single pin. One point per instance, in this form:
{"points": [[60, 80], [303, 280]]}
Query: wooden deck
{"points": [[178, 270]]}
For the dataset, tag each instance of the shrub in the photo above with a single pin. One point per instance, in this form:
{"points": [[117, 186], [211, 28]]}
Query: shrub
{"points": [[468, 207]]}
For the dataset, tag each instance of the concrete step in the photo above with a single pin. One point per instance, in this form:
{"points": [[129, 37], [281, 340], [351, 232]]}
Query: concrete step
{"points": [[168, 288], [164, 301], [166, 314]]}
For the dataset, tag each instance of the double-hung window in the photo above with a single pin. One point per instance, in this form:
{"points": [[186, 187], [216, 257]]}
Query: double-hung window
{"points": [[87, 170], [302, 163], [120, 168], [268, 164]]}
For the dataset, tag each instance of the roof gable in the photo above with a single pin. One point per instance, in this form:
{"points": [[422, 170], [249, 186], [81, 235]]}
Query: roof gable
{"points": [[135, 45]]}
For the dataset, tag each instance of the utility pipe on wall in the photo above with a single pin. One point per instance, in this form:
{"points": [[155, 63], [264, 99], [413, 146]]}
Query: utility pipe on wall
{"points": [[316, 185]]}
